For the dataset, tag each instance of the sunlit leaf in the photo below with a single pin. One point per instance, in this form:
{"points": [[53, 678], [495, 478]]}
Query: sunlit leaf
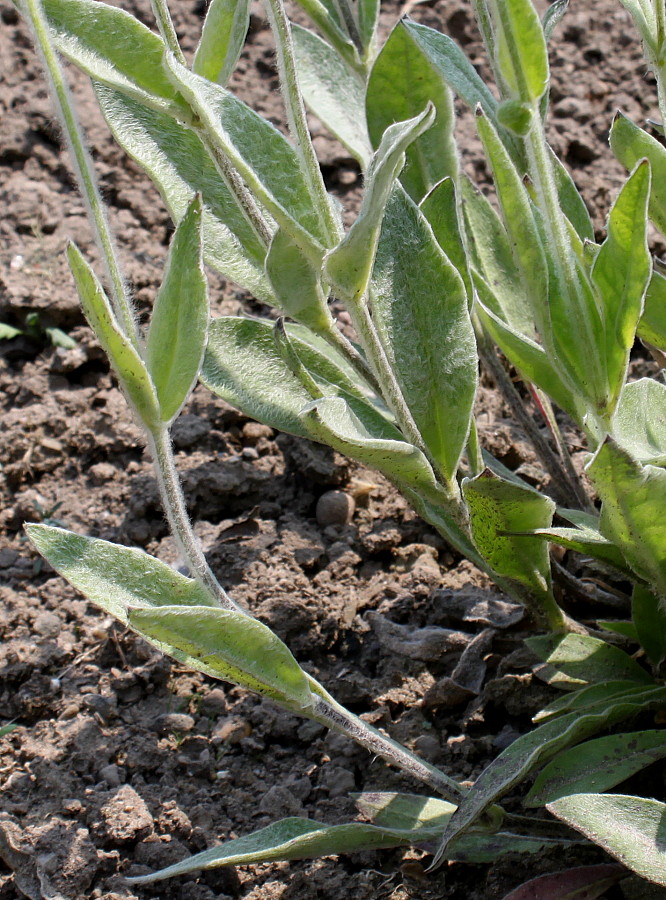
{"points": [[630, 144], [222, 38], [578, 659], [639, 424]]}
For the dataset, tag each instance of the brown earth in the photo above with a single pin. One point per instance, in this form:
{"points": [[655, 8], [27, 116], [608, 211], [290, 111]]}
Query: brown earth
{"points": [[123, 761]]}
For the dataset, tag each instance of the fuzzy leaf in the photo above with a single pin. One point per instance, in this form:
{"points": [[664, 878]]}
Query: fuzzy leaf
{"points": [[639, 424], [333, 91], [177, 335], [402, 81], [179, 166], [586, 541], [296, 283], [521, 52], [620, 274], [652, 325], [222, 38], [419, 308], [349, 265], [261, 155], [597, 765], [243, 366], [440, 209], [87, 33], [128, 365], [538, 747], [632, 829], [630, 144], [114, 577], [496, 509], [579, 659], [586, 697], [553, 16], [230, 644], [649, 618], [581, 883], [634, 498], [392, 810]]}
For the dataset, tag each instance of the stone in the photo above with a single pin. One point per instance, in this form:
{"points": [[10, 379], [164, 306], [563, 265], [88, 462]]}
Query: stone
{"points": [[126, 817]]}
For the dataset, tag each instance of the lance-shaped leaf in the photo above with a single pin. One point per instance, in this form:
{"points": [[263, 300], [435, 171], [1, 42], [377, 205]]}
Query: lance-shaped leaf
{"points": [[571, 202], [123, 356], [639, 424], [652, 325], [630, 144], [553, 16], [403, 79], [393, 810], [243, 366], [222, 38], [262, 156], [520, 48], [289, 839], [586, 698], [520, 224], [597, 766], [368, 16], [112, 576], [632, 829], [419, 308], [357, 431], [649, 619], [578, 659], [585, 539], [440, 208], [349, 265], [620, 275], [87, 33], [497, 508], [538, 747], [333, 91], [179, 166], [177, 334], [296, 282], [457, 71], [634, 499], [581, 883], [325, 15], [230, 644]]}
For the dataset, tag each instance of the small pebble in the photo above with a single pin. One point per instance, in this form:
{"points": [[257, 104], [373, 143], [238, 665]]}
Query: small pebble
{"points": [[214, 703], [231, 731], [335, 508], [113, 775], [173, 723], [47, 624]]}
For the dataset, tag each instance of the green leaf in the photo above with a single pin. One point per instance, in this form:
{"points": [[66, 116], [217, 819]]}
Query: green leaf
{"points": [[441, 210], [652, 325], [553, 16], [580, 883], [296, 283], [177, 334], [497, 508], [634, 499], [356, 430], [402, 81], [113, 48], [585, 540], [538, 747], [619, 626], [639, 424], [333, 91], [243, 366], [571, 202], [578, 659], [630, 144], [520, 48], [325, 16], [5, 729], [457, 71], [406, 811], [649, 617], [124, 358], [516, 116], [58, 338], [288, 839], [261, 155], [597, 766], [7, 332], [230, 644], [349, 265], [621, 273], [586, 697], [368, 16], [114, 577], [631, 829], [222, 38], [419, 308], [179, 166]]}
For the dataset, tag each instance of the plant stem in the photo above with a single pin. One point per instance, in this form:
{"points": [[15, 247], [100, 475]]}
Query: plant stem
{"points": [[83, 170], [165, 25], [334, 716], [350, 24], [159, 443], [297, 119], [337, 339]]}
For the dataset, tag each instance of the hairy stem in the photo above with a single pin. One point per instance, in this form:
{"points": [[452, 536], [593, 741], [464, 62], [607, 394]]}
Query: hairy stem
{"points": [[85, 176], [165, 25], [297, 119], [337, 339], [175, 510]]}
